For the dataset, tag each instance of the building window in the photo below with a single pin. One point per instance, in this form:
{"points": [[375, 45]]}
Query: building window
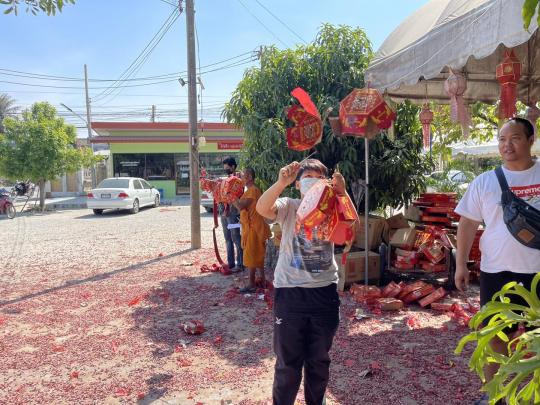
{"points": [[160, 166], [129, 165], [149, 166]]}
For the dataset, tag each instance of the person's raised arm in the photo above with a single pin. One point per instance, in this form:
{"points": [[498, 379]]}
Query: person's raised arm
{"points": [[266, 206], [465, 238]]}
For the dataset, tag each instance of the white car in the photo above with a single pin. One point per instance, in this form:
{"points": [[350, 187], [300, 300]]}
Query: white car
{"points": [[122, 193], [207, 201]]}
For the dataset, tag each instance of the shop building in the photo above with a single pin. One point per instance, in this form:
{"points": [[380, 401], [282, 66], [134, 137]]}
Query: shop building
{"points": [[159, 151]]}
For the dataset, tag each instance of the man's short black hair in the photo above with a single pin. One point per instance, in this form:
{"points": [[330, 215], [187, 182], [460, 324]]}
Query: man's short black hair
{"points": [[528, 127], [229, 160]]}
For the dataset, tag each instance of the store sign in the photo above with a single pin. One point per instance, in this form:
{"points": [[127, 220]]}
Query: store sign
{"points": [[230, 145]]}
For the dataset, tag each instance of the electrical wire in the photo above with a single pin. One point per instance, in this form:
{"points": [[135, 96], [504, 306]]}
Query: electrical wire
{"points": [[169, 3], [134, 67], [10, 72], [281, 21], [261, 23]]}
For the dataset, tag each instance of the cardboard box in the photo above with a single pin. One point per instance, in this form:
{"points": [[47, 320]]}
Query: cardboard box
{"points": [[404, 238], [413, 213], [378, 232], [353, 271], [398, 221]]}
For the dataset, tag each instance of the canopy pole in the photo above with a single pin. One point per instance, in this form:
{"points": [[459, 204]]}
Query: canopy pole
{"points": [[366, 212]]}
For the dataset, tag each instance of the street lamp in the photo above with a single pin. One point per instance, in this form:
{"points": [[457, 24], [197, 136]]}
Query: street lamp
{"points": [[91, 144]]}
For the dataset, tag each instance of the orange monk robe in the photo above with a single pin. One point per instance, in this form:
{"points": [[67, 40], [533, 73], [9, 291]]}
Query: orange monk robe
{"points": [[255, 231]]}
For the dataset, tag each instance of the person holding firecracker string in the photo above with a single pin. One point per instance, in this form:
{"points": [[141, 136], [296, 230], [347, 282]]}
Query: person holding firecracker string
{"points": [[255, 231], [230, 221], [306, 302], [504, 258]]}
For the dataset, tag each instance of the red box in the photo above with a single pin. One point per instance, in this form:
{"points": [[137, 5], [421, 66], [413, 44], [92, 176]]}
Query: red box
{"points": [[409, 288], [431, 298], [417, 294], [392, 290], [316, 205], [344, 215], [231, 189]]}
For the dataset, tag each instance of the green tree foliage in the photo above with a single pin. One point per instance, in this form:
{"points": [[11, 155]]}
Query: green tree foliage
{"points": [[50, 7], [528, 10], [7, 108], [518, 378], [446, 133], [40, 147], [328, 69]]}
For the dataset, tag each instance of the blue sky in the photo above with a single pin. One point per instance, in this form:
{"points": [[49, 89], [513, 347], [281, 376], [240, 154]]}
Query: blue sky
{"points": [[108, 35]]}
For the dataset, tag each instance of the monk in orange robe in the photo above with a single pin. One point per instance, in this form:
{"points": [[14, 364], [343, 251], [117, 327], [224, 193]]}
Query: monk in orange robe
{"points": [[255, 231]]}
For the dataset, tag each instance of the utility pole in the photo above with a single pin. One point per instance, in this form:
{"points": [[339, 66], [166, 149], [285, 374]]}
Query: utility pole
{"points": [[89, 123], [193, 141], [153, 113]]}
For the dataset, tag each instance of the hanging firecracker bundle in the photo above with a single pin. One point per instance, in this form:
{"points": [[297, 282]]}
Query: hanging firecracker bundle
{"points": [[455, 86], [307, 131], [508, 74], [426, 118]]}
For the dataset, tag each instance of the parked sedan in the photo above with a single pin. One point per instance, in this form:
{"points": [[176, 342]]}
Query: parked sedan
{"points": [[122, 193]]}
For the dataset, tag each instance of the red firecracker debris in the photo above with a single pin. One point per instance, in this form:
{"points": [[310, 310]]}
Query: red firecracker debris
{"points": [[349, 362], [74, 374], [194, 327], [412, 322], [141, 395], [122, 392], [183, 362], [161, 254]]}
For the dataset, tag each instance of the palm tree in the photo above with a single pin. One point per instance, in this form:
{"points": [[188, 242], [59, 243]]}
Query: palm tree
{"points": [[7, 108]]}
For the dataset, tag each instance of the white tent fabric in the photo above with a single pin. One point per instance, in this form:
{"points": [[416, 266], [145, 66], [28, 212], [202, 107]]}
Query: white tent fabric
{"points": [[490, 149], [467, 35]]}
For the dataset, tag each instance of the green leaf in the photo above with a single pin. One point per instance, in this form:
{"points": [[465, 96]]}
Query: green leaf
{"points": [[529, 7]]}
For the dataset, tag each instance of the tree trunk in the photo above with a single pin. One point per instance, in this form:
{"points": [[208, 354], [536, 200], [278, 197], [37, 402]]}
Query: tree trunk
{"points": [[42, 195]]}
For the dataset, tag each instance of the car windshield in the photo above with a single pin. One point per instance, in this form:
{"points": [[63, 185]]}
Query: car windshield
{"points": [[114, 183]]}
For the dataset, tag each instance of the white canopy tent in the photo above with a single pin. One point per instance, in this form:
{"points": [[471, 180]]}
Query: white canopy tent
{"points": [[466, 35], [490, 149]]}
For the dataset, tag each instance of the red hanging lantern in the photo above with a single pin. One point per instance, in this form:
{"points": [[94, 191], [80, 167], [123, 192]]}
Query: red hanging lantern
{"points": [[307, 131], [426, 118], [455, 86], [508, 74], [365, 113]]}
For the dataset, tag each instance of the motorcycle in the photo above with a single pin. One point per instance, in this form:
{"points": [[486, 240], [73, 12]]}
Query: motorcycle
{"points": [[6, 205]]}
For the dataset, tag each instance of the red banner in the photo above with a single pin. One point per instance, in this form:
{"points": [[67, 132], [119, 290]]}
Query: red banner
{"points": [[230, 145]]}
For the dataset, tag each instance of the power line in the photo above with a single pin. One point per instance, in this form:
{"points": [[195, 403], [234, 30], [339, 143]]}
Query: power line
{"points": [[260, 22], [169, 3], [241, 62], [82, 88], [144, 54], [38, 76], [281, 21]]}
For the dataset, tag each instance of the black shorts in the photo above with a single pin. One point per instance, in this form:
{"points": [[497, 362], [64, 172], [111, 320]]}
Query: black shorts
{"points": [[492, 283]]}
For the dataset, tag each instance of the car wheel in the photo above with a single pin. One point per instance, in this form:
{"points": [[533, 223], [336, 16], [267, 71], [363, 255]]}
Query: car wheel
{"points": [[11, 211], [135, 208], [156, 201], [98, 212], [209, 209]]}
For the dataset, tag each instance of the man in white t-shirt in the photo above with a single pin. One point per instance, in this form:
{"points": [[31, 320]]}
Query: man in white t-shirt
{"points": [[306, 302], [504, 259]]}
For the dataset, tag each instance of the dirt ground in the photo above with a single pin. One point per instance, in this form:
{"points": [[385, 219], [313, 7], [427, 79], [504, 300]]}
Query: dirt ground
{"points": [[91, 311]]}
